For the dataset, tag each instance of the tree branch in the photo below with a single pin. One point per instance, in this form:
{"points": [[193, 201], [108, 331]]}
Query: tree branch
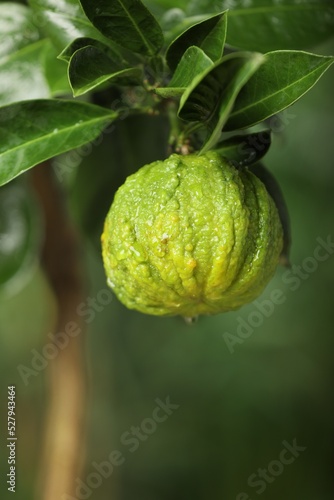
{"points": [[63, 447]]}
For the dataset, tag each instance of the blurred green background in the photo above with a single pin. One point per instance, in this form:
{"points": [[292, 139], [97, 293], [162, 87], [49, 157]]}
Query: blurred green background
{"points": [[235, 409]]}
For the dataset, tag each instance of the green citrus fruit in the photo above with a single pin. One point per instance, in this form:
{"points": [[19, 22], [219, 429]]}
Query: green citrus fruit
{"points": [[191, 235]]}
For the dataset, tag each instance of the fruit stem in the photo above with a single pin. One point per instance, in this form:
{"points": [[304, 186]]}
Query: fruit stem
{"points": [[175, 126], [190, 320]]}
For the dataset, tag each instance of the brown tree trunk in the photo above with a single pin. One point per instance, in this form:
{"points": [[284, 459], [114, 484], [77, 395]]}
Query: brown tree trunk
{"points": [[62, 456]]}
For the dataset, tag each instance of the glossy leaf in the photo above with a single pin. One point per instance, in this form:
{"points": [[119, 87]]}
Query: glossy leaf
{"points": [[17, 28], [126, 22], [275, 192], [55, 72], [181, 25], [193, 63], [80, 43], [283, 78], [245, 149], [265, 25], [22, 74], [63, 21], [211, 96], [20, 236], [209, 35], [89, 67], [37, 66], [33, 131]]}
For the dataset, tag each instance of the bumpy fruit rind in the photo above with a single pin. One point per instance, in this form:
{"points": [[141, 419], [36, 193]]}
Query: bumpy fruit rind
{"points": [[191, 235]]}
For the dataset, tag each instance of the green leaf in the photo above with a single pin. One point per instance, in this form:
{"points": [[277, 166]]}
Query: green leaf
{"points": [[296, 24], [209, 35], [80, 43], [283, 78], [55, 72], [245, 149], [22, 74], [193, 63], [126, 22], [267, 25], [17, 28], [20, 235], [63, 21], [89, 67], [173, 30], [33, 72], [34, 131], [211, 96]]}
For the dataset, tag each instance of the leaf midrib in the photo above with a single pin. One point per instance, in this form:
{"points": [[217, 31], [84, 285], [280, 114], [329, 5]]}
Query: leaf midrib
{"points": [[252, 64], [101, 79], [253, 104], [52, 134], [137, 28]]}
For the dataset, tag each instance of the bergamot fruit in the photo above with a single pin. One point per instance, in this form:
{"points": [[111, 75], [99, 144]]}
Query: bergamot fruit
{"points": [[191, 235]]}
